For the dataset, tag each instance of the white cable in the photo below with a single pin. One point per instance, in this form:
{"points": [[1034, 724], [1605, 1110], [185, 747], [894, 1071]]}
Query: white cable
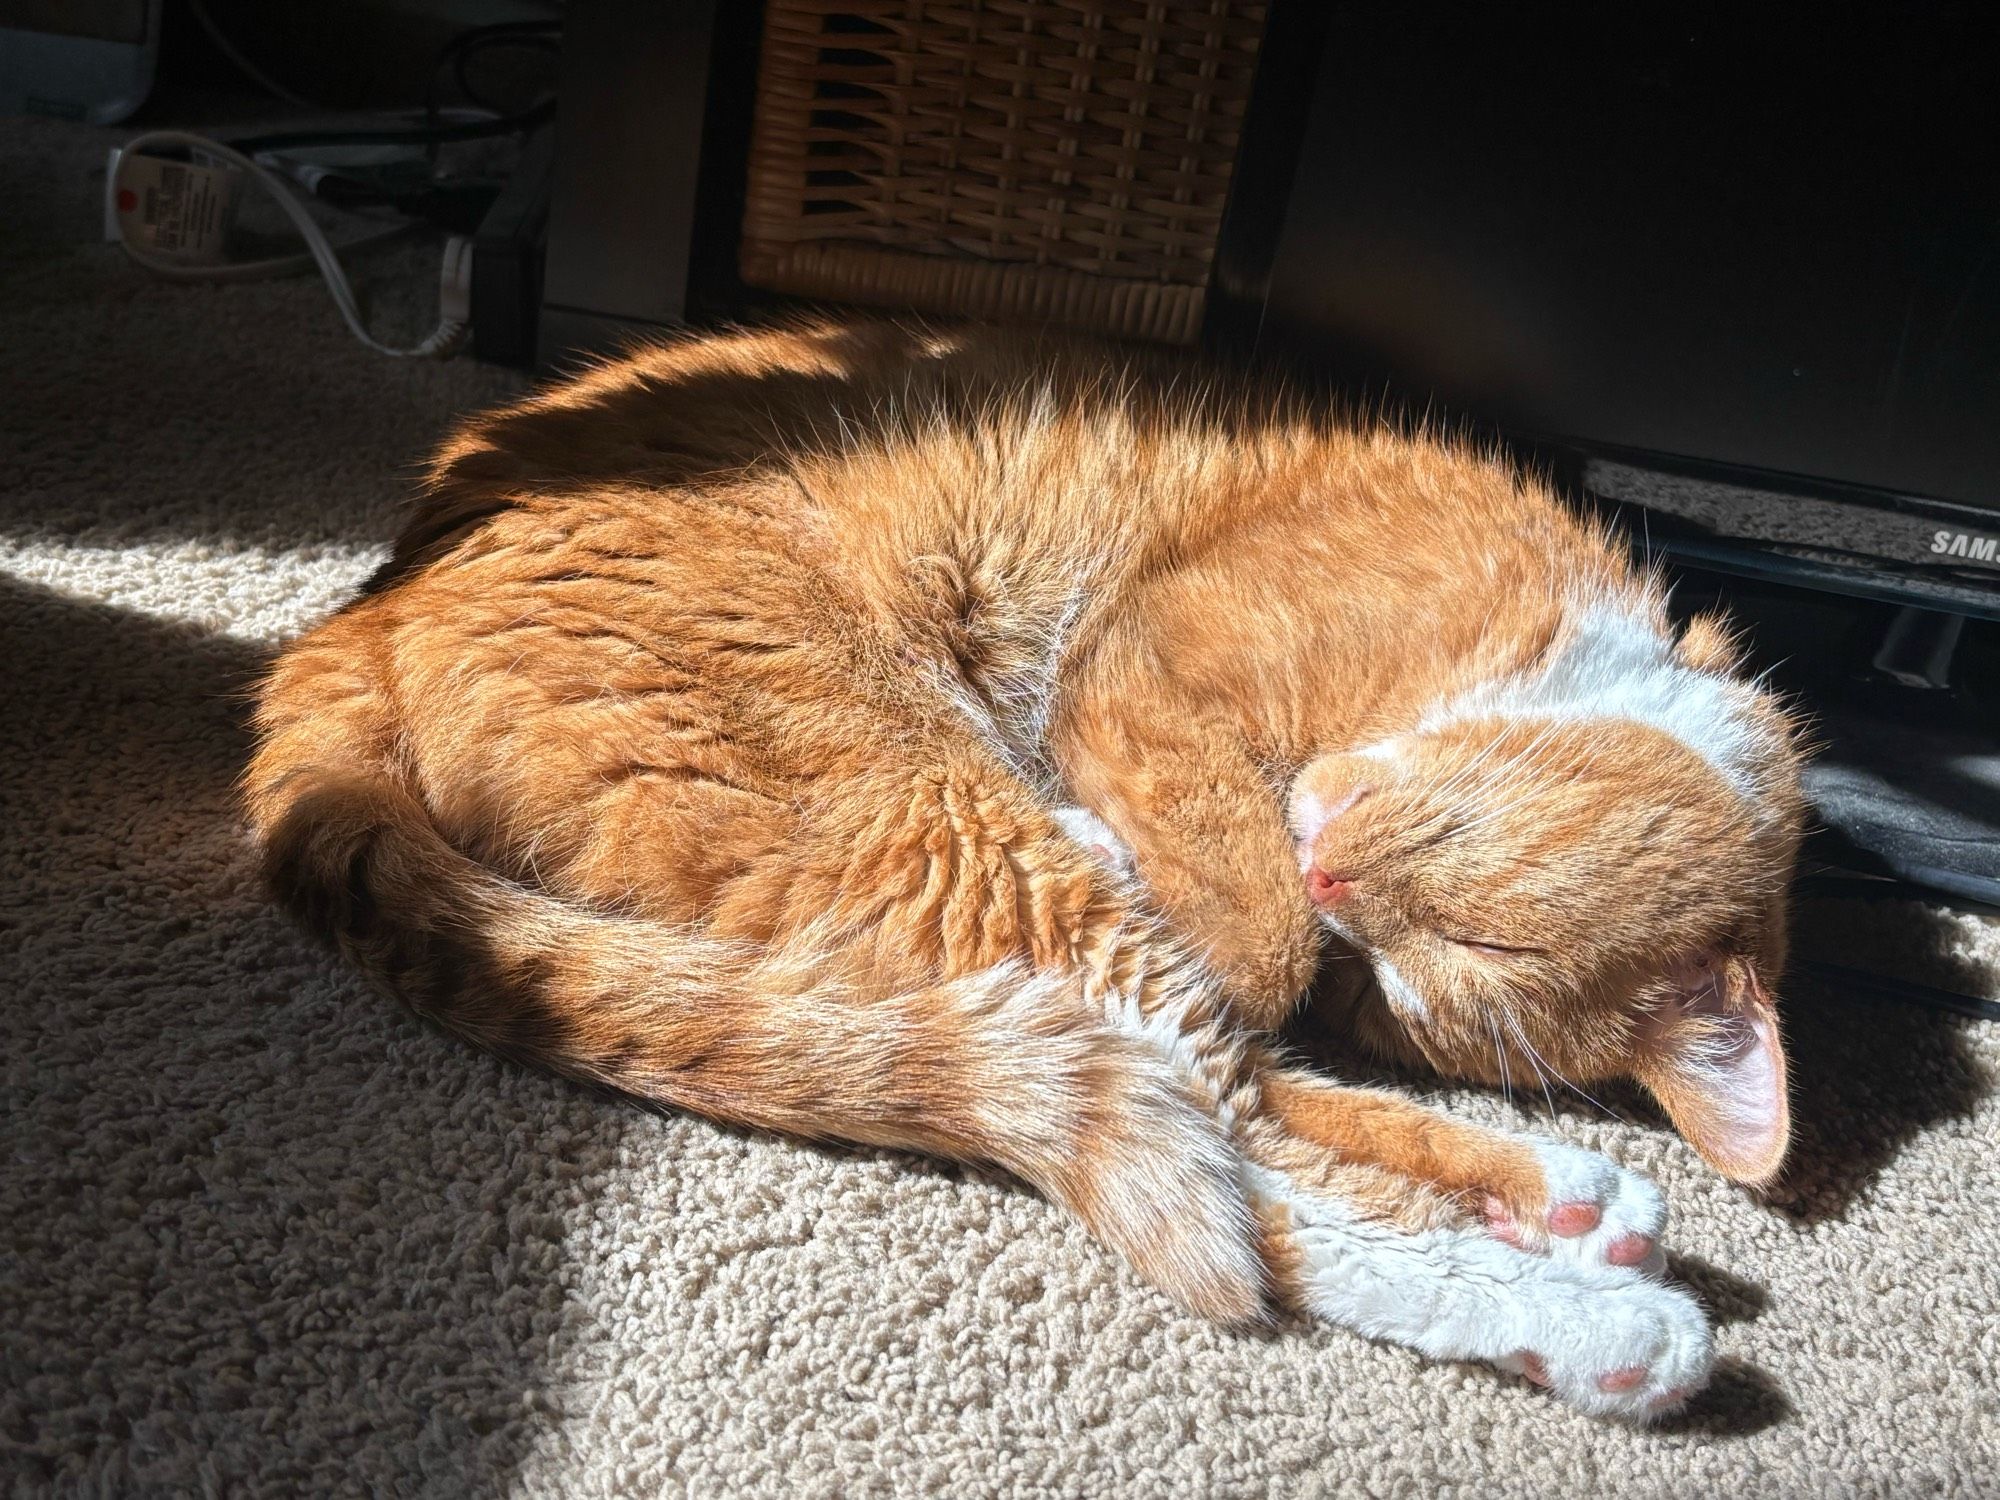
{"points": [[271, 269], [319, 251]]}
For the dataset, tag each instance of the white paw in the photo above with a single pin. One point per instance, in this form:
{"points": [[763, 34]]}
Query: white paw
{"points": [[1633, 1348], [1598, 1212], [1091, 831], [1606, 1339]]}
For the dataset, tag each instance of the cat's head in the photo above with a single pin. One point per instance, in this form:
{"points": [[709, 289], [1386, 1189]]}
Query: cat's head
{"points": [[1591, 895]]}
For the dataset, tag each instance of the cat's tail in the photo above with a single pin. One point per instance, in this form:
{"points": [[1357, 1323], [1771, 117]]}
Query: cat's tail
{"points": [[1007, 1065]]}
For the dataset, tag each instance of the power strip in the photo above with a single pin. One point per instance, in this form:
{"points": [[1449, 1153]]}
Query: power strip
{"points": [[183, 210]]}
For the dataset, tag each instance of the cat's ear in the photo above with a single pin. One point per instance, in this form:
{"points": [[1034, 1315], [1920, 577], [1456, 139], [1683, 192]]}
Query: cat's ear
{"points": [[1715, 1061], [1709, 644]]}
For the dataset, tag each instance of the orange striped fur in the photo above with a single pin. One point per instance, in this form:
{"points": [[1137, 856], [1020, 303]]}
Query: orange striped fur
{"points": [[707, 732]]}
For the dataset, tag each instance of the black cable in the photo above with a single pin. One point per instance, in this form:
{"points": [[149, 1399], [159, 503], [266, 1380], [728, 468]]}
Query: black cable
{"points": [[547, 44], [1863, 985], [393, 135], [1886, 888], [546, 34], [220, 38], [455, 205], [432, 132]]}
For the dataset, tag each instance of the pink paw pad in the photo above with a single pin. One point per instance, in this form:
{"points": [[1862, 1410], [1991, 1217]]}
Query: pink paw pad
{"points": [[1619, 1381], [1629, 1250], [1533, 1370], [1500, 1224], [1572, 1219]]}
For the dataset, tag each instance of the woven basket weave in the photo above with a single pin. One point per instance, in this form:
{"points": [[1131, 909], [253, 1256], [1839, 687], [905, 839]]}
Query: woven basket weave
{"points": [[1061, 160]]}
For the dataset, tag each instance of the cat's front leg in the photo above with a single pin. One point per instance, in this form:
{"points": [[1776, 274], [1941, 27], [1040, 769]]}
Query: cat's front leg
{"points": [[1534, 1194], [1587, 1209], [1191, 805], [1606, 1339]]}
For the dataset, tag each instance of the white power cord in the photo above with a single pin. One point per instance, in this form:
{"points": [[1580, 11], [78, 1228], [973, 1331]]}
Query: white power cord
{"points": [[321, 252]]}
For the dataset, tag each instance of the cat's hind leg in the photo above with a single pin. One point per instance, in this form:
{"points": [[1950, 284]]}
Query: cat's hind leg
{"points": [[970, 974], [915, 958]]}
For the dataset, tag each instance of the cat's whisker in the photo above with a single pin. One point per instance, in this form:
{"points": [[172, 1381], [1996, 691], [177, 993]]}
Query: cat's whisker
{"points": [[1543, 1062], [1500, 1057], [1535, 1062], [1496, 778], [1445, 791], [1465, 772], [1496, 812], [1520, 757], [1501, 776], [1442, 790], [1587, 1097]]}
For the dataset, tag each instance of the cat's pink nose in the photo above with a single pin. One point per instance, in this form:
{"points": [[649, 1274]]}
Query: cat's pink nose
{"points": [[1327, 889]]}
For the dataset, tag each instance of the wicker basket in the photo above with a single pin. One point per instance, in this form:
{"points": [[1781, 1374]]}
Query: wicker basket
{"points": [[1060, 160]]}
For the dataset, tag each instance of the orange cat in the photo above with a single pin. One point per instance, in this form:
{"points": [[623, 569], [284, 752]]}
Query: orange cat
{"points": [[962, 743]]}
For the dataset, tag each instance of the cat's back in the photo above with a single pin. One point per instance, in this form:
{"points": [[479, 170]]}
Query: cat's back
{"points": [[891, 435], [869, 490]]}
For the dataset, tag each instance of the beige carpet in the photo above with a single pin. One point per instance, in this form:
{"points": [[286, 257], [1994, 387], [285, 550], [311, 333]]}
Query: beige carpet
{"points": [[264, 1234]]}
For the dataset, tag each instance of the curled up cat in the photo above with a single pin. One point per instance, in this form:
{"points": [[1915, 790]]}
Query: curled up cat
{"points": [[965, 743]]}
